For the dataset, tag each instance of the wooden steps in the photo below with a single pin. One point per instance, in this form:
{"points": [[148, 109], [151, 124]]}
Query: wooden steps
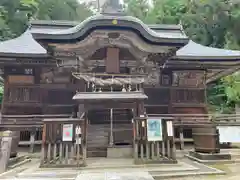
{"points": [[98, 133], [97, 140]]}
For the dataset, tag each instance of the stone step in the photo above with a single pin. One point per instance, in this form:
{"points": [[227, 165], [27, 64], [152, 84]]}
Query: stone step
{"points": [[96, 153], [97, 137], [174, 174], [235, 156], [115, 176], [119, 164], [45, 174], [93, 145], [135, 168]]}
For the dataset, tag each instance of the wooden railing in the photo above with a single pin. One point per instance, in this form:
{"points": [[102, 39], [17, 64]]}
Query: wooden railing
{"points": [[24, 122], [23, 94]]}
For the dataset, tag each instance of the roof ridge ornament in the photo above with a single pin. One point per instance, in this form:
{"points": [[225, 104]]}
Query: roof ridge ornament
{"points": [[112, 7]]}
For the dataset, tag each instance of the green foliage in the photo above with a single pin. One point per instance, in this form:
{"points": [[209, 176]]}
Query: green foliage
{"points": [[59, 10], [232, 84], [15, 14], [218, 100], [209, 22]]}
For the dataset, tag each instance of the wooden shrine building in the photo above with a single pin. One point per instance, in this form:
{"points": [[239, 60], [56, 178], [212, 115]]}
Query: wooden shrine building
{"points": [[107, 74]]}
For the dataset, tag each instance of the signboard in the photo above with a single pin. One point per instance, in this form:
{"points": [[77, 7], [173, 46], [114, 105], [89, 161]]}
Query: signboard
{"points": [[169, 128], [229, 134], [154, 129], [78, 130], [67, 134], [78, 140]]}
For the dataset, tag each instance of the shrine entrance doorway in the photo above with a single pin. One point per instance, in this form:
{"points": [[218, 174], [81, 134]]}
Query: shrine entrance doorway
{"points": [[109, 128], [109, 117]]}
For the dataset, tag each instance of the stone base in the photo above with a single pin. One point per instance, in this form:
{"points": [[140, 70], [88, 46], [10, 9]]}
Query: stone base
{"points": [[120, 152], [209, 158]]}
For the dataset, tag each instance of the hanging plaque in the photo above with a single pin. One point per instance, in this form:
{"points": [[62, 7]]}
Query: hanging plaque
{"points": [[154, 129], [78, 140], [67, 132], [169, 128], [78, 130]]}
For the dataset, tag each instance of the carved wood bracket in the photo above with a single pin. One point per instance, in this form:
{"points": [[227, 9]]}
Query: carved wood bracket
{"points": [[125, 39]]}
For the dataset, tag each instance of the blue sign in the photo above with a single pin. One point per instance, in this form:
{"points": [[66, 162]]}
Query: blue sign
{"points": [[154, 129]]}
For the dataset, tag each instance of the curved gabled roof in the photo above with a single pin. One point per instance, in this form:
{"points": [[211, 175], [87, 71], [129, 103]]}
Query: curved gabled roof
{"points": [[23, 45], [26, 45], [197, 51], [101, 21]]}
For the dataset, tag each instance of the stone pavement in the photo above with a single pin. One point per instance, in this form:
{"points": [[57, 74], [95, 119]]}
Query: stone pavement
{"points": [[100, 169], [115, 176]]}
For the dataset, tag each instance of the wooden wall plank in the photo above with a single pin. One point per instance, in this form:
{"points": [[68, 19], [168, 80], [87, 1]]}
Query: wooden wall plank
{"points": [[112, 60]]}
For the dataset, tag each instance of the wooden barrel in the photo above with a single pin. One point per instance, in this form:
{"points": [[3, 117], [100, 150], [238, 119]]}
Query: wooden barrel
{"points": [[15, 141], [206, 139]]}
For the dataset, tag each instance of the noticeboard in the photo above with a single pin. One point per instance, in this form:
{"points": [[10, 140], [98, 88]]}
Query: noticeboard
{"points": [[170, 128], [67, 134], [154, 129], [229, 134]]}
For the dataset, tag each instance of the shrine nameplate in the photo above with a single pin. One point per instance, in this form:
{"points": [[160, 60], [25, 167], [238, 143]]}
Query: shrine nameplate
{"points": [[14, 79]]}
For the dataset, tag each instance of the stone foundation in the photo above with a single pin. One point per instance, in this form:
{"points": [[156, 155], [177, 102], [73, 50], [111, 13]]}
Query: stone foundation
{"points": [[209, 157], [120, 152]]}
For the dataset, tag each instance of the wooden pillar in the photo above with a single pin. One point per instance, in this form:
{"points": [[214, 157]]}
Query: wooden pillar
{"points": [[135, 131], [32, 141], [85, 138], [111, 128], [181, 139], [168, 141], [5, 95], [43, 151], [6, 142], [173, 144]]}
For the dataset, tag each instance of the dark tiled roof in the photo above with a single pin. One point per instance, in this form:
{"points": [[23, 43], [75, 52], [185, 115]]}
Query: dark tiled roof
{"points": [[52, 23], [93, 96], [25, 44], [194, 50], [22, 45], [124, 21]]}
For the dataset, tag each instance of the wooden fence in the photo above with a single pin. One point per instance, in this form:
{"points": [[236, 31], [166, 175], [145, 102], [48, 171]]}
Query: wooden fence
{"points": [[57, 152], [149, 150], [145, 151]]}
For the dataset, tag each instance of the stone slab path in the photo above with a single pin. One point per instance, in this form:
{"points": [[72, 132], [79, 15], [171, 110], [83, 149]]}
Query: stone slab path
{"points": [[99, 170], [116, 176]]}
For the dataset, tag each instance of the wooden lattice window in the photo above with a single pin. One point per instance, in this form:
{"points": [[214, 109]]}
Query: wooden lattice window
{"points": [[189, 96], [188, 78]]}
